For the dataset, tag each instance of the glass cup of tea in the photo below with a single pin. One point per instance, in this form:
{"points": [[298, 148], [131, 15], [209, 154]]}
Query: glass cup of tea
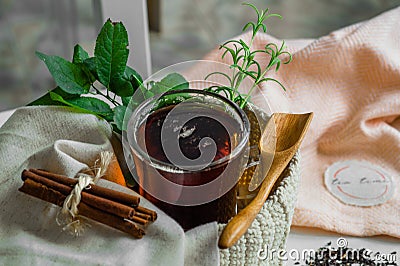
{"points": [[188, 149]]}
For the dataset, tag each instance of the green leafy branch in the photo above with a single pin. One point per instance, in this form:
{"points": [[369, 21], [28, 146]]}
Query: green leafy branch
{"points": [[79, 80], [244, 63]]}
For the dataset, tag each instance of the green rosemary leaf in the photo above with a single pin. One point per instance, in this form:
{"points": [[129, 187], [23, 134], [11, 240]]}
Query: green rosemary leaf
{"points": [[248, 25], [274, 80], [252, 6]]}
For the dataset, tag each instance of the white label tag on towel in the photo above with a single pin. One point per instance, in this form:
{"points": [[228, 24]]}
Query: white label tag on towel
{"points": [[359, 183]]}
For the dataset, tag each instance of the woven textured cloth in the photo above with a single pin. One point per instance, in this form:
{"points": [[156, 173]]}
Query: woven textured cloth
{"points": [[350, 79], [65, 142], [271, 226]]}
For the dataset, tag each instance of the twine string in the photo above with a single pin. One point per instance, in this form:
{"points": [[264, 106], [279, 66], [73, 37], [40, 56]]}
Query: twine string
{"points": [[69, 217]]}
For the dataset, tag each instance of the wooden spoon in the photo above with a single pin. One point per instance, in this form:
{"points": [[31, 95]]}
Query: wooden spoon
{"points": [[289, 130]]}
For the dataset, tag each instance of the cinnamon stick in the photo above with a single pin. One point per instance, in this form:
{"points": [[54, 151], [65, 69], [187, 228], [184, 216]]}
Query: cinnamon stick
{"points": [[140, 220], [143, 216], [151, 213], [40, 191], [103, 204], [110, 194], [103, 192]]}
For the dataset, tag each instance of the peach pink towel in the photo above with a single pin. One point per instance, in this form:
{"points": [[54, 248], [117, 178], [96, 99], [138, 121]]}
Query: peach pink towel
{"points": [[350, 79]]}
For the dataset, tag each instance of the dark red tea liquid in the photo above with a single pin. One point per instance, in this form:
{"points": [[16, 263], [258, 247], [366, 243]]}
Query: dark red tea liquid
{"points": [[189, 135]]}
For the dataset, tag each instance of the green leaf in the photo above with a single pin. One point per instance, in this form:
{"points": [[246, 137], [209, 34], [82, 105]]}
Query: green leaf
{"points": [[119, 115], [86, 104], [79, 54], [126, 100], [248, 25], [134, 77], [173, 81], [68, 76], [46, 99], [174, 99], [92, 104], [111, 55], [90, 64], [123, 87], [141, 94]]}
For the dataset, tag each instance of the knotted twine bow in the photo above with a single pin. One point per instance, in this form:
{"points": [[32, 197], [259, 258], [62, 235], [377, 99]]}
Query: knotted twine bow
{"points": [[69, 217]]}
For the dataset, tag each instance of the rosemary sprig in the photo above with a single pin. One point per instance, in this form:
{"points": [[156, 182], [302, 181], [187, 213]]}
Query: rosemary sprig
{"points": [[244, 63]]}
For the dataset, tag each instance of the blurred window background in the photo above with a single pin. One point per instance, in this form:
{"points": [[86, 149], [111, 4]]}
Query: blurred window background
{"points": [[180, 30], [52, 27]]}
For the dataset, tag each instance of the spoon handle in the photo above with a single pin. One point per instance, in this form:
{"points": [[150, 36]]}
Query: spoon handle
{"points": [[239, 224]]}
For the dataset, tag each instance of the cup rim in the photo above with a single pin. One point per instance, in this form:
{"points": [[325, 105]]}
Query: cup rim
{"points": [[172, 168]]}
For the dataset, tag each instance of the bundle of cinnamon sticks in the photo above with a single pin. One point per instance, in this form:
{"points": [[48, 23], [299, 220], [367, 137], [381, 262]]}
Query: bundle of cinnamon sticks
{"points": [[113, 208]]}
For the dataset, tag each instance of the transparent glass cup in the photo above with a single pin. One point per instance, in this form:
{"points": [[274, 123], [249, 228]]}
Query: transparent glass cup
{"points": [[244, 195], [189, 149]]}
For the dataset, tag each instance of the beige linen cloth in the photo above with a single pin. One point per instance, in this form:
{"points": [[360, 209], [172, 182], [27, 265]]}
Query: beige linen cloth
{"points": [[350, 79], [55, 139]]}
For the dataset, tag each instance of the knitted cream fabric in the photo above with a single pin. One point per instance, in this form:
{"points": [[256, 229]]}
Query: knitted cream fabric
{"points": [[350, 79], [271, 226]]}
